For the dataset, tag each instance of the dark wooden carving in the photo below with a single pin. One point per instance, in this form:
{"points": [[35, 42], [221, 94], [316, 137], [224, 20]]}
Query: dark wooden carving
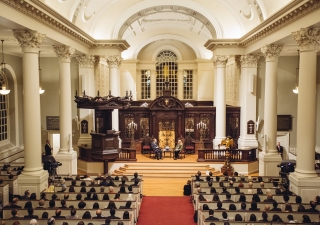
{"points": [[284, 122], [250, 127], [84, 126]]}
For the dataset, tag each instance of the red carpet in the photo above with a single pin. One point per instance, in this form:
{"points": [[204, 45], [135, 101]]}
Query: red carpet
{"points": [[166, 211]]}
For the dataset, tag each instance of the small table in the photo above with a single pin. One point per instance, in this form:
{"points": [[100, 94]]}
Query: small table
{"points": [[164, 151]]}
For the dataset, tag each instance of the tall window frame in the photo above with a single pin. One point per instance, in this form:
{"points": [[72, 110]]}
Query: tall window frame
{"points": [[145, 84], [188, 84], [4, 133], [167, 70]]}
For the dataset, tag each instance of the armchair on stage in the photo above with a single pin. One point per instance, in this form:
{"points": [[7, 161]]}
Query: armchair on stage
{"points": [[189, 145], [146, 145]]}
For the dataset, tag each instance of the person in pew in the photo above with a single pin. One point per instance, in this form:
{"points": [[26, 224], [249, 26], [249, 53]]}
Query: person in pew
{"points": [[286, 191], [259, 191], [63, 204], [269, 198], [112, 214], [290, 219], [33, 222], [127, 205], [93, 182], [28, 205], [205, 207], [117, 197], [198, 178], [54, 197], [228, 198], [66, 196], [238, 217], [83, 190], [41, 204], [286, 199], [317, 200], [301, 208], [111, 205], [211, 217], [215, 197], [230, 183], [26, 195], [105, 196], [213, 190], [82, 205], [33, 196], [261, 184], [135, 176], [240, 185], [264, 217], [126, 215], [250, 184], [52, 204], [30, 214], [255, 198], [252, 218], [221, 184], [275, 184], [86, 215], [83, 183], [88, 196], [278, 191], [122, 189], [219, 206], [224, 190], [243, 206], [73, 214], [186, 188], [266, 208], [14, 214], [276, 218], [312, 207], [73, 183], [107, 221], [92, 190], [208, 178], [111, 189], [254, 206], [43, 196], [123, 183], [202, 199], [232, 207], [78, 197], [51, 221], [104, 182], [306, 219], [95, 205], [298, 199], [102, 189], [288, 207], [237, 190], [225, 216], [217, 178], [45, 215], [242, 198], [275, 206], [249, 191], [14, 204], [95, 197], [58, 214], [130, 198], [80, 223]]}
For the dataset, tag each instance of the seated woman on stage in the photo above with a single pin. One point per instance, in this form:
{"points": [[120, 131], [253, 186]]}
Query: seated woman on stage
{"points": [[177, 149]]}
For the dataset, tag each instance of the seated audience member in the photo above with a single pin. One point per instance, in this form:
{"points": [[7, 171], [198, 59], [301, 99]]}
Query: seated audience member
{"points": [[211, 217], [54, 197], [111, 189], [14, 214], [264, 217], [288, 207], [26, 195], [126, 215], [135, 176], [275, 184], [275, 206], [260, 179], [269, 198], [298, 199], [41, 204], [112, 214], [127, 205], [102, 189], [123, 183], [33, 196], [232, 207], [72, 215], [58, 214], [83, 190], [259, 191], [301, 208], [266, 208], [13, 204], [243, 206], [187, 188], [250, 184], [92, 190], [73, 183], [198, 178], [95, 196], [312, 207], [105, 197], [82, 205], [43, 196], [213, 190], [202, 199], [238, 217], [52, 204], [306, 219], [219, 206], [33, 222], [95, 205], [290, 219], [286, 198], [215, 197], [51, 221], [228, 198], [230, 183], [98, 215], [86, 215], [111, 205], [276, 218], [250, 179], [45, 215], [71, 189], [240, 185], [78, 197], [63, 204], [88, 196], [225, 216], [205, 207], [254, 207], [221, 184], [28, 205], [224, 190], [30, 214], [217, 178], [253, 217], [256, 198], [104, 182], [122, 189], [286, 191], [268, 191], [261, 184], [317, 200], [208, 178], [249, 191]]}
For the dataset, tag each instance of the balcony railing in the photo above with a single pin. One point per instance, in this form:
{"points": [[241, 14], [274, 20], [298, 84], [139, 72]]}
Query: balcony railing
{"points": [[219, 155], [127, 154]]}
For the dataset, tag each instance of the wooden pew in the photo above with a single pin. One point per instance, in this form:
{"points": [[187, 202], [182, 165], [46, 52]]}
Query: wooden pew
{"points": [[70, 221], [232, 190], [135, 189], [4, 190], [235, 184]]}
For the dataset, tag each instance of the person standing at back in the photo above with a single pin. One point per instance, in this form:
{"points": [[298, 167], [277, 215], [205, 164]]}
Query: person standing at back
{"points": [[48, 148], [279, 149]]}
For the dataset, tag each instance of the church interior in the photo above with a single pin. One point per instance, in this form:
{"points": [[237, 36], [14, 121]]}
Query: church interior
{"points": [[99, 80]]}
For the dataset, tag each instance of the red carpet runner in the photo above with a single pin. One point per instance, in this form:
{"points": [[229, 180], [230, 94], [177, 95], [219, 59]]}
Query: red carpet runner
{"points": [[166, 211]]}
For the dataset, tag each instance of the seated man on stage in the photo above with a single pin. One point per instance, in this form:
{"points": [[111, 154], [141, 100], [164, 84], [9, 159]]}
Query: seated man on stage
{"points": [[156, 149], [177, 149]]}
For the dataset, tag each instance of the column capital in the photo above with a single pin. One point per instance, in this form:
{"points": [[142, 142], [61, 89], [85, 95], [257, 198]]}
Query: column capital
{"points": [[220, 60], [249, 60], [29, 40], [86, 61], [272, 51], [64, 53], [114, 61], [307, 38]]}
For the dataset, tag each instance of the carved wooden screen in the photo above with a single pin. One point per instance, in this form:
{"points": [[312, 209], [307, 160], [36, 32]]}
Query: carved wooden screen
{"points": [[167, 134], [204, 129], [144, 127], [189, 127], [129, 132]]}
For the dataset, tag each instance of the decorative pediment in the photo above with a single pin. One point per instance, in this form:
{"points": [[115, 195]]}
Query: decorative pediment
{"points": [[166, 103]]}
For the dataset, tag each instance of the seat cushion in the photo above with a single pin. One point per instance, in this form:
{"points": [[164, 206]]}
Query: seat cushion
{"points": [[189, 147], [146, 147]]}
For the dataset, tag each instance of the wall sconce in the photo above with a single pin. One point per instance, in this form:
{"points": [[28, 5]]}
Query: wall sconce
{"points": [[3, 82], [296, 90], [41, 91]]}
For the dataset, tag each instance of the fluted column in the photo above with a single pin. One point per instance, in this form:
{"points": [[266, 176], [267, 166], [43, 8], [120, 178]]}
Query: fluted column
{"points": [[30, 42], [269, 158], [69, 163], [114, 62], [307, 39], [220, 63], [180, 84], [153, 84], [87, 84], [248, 98]]}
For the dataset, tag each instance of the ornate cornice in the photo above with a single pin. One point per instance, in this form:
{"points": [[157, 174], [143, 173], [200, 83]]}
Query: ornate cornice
{"points": [[222, 43], [29, 39], [86, 60], [64, 52], [118, 44], [249, 60], [114, 61], [272, 51], [307, 38], [220, 60]]}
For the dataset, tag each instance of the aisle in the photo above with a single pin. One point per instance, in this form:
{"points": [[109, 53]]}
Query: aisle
{"points": [[166, 211]]}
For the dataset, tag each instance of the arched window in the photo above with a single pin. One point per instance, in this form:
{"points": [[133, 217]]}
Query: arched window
{"points": [[167, 69], [3, 111]]}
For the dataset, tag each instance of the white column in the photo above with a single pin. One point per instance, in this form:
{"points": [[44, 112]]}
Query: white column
{"points": [[220, 62], [180, 84], [248, 98], [87, 84], [66, 155], [304, 181], [33, 177], [114, 62], [269, 158], [153, 83]]}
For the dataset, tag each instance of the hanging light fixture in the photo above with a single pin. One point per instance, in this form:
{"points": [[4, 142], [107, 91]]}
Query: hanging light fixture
{"points": [[296, 90], [3, 89], [41, 91]]}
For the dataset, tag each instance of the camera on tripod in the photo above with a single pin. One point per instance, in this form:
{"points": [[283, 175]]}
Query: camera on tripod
{"points": [[286, 167], [55, 165]]}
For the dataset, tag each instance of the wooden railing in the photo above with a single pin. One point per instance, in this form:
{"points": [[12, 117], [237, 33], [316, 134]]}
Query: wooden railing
{"points": [[127, 154], [219, 155]]}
